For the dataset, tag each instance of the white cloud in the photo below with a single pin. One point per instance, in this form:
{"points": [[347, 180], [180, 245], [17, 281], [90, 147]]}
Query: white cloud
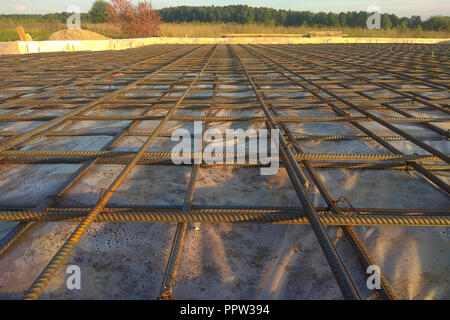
{"points": [[18, 7]]}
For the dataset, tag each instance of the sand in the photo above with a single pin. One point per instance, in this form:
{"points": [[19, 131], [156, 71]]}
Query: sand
{"points": [[76, 34]]}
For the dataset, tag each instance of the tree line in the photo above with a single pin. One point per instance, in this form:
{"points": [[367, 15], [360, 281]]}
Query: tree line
{"points": [[243, 14]]}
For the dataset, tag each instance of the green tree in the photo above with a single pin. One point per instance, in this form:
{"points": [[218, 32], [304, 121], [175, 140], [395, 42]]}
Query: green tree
{"points": [[438, 23], [414, 22], [98, 12], [342, 19], [333, 19], [321, 19], [386, 22], [403, 26]]}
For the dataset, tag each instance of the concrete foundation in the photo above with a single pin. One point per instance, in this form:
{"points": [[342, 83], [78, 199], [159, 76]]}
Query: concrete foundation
{"points": [[24, 47]]}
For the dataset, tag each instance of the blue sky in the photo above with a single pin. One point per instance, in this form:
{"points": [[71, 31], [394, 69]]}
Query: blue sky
{"points": [[424, 8]]}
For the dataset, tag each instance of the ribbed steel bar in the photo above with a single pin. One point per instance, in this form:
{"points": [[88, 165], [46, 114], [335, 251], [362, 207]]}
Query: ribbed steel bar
{"points": [[166, 161], [391, 88], [220, 119], [135, 133], [166, 292], [14, 234], [215, 215], [61, 63], [360, 249], [19, 229], [334, 260], [304, 55], [70, 82], [313, 88], [343, 57], [57, 121], [41, 282], [167, 155], [428, 125], [211, 208], [414, 97], [439, 182], [73, 80], [356, 242], [430, 177]]}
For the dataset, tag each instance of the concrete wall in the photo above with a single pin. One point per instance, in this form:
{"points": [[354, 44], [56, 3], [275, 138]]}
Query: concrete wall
{"points": [[21, 47]]}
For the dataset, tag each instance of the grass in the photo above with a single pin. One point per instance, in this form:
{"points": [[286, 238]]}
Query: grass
{"points": [[107, 29], [42, 30], [217, 30], [37, 30]]}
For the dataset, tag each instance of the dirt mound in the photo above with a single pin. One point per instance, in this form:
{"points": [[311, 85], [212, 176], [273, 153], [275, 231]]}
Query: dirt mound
{"points": [[76, 34]]}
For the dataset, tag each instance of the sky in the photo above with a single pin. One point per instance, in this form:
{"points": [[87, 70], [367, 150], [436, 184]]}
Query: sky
{"points": [[424, 8]]}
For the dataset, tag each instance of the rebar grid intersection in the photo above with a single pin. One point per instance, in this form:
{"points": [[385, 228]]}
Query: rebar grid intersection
{"points": [[324, 84]]}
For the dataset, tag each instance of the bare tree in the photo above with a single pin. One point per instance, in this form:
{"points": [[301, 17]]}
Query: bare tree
{"points": [[135, 21]]}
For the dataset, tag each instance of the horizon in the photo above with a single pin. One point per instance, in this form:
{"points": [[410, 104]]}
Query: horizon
{"points": [[400, 8]]}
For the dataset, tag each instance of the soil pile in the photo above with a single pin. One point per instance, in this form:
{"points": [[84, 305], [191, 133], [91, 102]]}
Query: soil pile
{"points": [[76, 34]]}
